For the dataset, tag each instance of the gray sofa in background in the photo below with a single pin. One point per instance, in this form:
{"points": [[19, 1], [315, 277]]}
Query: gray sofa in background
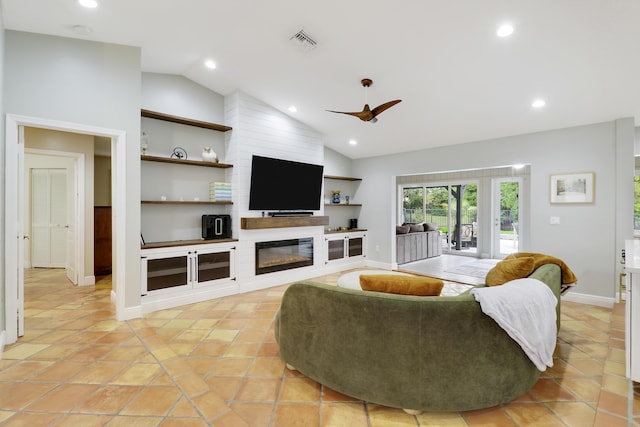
{"points": [[417, 241]]}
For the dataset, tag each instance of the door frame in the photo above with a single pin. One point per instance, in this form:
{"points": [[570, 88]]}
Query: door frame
{"points": [[79, 211], [14, 164]]}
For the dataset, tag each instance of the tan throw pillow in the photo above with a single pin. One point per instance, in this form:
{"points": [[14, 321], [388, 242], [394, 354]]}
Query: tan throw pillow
{"points": [[403, 285], [510, 269]]}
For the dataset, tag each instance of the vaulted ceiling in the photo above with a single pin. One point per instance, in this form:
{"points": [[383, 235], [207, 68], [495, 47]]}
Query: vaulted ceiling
{"points": [[458, 80]]}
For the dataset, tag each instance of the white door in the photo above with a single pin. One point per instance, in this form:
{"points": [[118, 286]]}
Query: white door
{"points": [[49, 218], [506, 214]]}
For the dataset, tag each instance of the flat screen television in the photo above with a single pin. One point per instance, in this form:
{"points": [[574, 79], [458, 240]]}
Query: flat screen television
{"points": [[284, 185]]}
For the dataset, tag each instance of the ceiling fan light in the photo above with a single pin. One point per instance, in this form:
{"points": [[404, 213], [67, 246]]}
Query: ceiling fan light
{"points": [[373, 120]]}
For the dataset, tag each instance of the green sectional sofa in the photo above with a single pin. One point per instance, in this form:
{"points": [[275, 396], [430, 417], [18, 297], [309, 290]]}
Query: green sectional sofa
{"points": [[416, 353]]}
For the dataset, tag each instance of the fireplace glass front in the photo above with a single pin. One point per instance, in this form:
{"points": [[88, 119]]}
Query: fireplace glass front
{"points": [[281, 255]]}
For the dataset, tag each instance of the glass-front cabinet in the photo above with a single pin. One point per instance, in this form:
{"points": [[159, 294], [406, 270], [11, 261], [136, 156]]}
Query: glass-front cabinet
{"points": [[344, 247], [171, 269]]}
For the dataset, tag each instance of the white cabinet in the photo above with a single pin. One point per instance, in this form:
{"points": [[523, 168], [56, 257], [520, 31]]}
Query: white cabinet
{"points": [[184, 268], [632, 309], [344, 247]]}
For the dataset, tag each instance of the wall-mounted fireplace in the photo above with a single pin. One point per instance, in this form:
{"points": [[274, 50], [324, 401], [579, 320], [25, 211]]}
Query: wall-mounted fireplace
{"points": [[281, 255]]}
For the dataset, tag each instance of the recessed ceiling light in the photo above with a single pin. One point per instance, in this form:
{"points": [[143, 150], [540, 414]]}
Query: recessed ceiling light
{"points": [[293, 109], [88, 3], [210, 64], [353, 142], [538, 103], [505, 30]]}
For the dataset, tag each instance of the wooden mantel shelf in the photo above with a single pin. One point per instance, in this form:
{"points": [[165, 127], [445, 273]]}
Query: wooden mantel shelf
{"points": [[282, 222]]}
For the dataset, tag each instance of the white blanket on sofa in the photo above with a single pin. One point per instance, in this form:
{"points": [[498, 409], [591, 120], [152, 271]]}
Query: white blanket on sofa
{"points": [[526, 310]]}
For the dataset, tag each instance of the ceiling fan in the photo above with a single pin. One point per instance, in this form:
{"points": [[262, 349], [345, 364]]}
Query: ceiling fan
{"points": [[367, 114]]}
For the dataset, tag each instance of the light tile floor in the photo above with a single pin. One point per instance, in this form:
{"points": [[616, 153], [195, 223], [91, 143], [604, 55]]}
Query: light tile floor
{"points": [[217, 363]]}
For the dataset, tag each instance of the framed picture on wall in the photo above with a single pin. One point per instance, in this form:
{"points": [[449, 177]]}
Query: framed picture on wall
{"points": [[572, 188]]}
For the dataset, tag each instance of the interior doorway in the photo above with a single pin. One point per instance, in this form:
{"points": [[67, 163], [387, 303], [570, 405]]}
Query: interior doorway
{"points": [[14, 204]]}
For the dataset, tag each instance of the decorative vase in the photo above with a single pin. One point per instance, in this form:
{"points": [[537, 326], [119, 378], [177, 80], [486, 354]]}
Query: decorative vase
{"points": [[335, 197], [144, 143], [208, 155]]}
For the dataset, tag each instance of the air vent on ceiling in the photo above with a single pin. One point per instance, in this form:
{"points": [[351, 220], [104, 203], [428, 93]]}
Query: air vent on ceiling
{"points": [[303, 40]]}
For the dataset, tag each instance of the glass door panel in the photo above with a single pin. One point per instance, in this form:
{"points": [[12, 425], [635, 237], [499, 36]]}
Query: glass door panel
{"points": [[506, 214], [166, 273], [214, 266], [412, 205], [336, 249], [355, 246]]}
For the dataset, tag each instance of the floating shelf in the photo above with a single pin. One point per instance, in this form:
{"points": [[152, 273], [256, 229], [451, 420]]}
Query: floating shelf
{"points": [[343, 204], [282, 221], [183, 121], [185, 162], [348, 230], [153, 245], [342, 178], [184, 202]]}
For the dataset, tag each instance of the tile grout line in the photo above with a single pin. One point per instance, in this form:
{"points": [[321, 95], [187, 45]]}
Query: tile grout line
{"points": [[169, 374]]}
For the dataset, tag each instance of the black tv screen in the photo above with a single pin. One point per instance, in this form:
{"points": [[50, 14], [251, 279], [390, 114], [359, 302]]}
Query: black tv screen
{"points": [[284, 185]]}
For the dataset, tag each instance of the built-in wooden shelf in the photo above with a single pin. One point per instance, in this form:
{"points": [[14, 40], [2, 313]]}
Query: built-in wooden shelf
{"points": [[346, 205], [282, 221], [184, 202], [185, 162], [347, 230], [171, 244], [183, 121], [342, 178]]}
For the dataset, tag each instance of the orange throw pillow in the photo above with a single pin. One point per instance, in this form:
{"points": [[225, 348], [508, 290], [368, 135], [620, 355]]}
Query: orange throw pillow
{"points": [[403, 285], [510, 269]]}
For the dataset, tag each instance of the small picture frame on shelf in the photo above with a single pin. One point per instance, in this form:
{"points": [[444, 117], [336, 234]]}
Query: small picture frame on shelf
{"points": [[142, 242], [572, 188]]}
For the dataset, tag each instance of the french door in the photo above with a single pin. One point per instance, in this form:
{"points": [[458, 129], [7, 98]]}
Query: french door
{"points": [[506, 213]]}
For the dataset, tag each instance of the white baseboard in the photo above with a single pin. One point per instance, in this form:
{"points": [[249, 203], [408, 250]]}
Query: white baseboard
{"points": [[382, 265], [129, 313], [2, 335], [151, 303], [588, 299], [88, 281]]}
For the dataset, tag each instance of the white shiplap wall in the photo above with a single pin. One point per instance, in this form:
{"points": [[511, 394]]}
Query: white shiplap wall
{"points": [[262, 130]]}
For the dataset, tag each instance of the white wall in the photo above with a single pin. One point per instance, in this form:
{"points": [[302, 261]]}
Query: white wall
{"points": [[88, 83], [262, 130], [102, 180], [588, 237]]}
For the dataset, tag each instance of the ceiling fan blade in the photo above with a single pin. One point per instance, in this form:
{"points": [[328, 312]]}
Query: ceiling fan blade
{"points": [[380, 108], [362, 115]]}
